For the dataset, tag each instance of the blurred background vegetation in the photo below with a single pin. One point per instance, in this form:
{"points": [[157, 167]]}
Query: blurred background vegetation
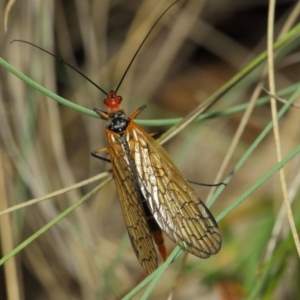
{"points": [[195, 49]]}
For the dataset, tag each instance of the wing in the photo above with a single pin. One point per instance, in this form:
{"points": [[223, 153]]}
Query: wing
{"points": [[130, 197], [174, 204]]}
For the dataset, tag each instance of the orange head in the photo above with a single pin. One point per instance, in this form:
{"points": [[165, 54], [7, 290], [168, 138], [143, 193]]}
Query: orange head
{"points": [[113, 101]]}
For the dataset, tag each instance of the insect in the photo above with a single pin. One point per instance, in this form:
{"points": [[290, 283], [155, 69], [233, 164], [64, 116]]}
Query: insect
{"points": [[154, 195]]}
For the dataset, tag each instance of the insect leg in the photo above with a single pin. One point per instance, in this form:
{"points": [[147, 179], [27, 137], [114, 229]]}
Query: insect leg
{"points": [[95, 154], [137, 112], [101, 113], [206, 184], [155, 135]]}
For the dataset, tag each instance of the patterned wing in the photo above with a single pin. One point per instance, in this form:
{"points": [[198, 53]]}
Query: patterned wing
{"points": [[130, 197], [174, 204]]}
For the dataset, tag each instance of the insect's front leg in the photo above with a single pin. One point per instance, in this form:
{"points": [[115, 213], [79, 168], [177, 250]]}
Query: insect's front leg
{"points": [[101, 113], [101, 150]]}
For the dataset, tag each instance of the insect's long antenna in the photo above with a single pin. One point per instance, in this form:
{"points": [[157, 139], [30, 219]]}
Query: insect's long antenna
{"points": [[142, 43], [63, 61]]}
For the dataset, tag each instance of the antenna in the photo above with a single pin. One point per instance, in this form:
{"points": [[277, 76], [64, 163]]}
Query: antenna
{"points": [[142, 43], [128, 67], [60, 59]]}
